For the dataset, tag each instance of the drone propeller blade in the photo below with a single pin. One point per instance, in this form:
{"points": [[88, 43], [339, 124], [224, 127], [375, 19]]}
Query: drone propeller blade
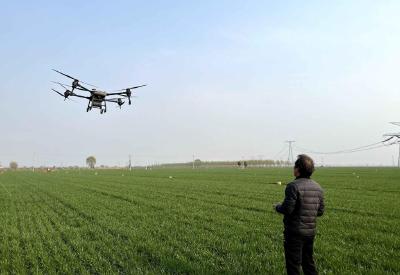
{"points": [[64, 74], [62, 85], [138, 86], [67, 85], [73, 78], [130, 88], [89, 84], [58, 93]]}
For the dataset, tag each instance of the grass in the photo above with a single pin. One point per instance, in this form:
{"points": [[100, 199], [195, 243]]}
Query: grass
{"points": [[198, 221]]}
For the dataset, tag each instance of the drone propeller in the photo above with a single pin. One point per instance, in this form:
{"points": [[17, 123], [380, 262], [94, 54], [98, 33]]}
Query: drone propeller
{"points": [[67, 85], [62, 85], [65, 95], [73, 78], [129, 98], [127, 92], [118, 101]]}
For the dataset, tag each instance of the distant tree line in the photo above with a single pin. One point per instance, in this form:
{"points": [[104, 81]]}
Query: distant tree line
{"points": [[241, 164], [197, 163]]}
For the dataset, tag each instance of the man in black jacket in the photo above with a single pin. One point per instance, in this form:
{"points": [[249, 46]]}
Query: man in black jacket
{"points": [[304, 201]]}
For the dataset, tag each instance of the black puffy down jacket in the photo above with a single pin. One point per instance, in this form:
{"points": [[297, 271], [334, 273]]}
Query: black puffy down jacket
{"points": [[304, 201]]}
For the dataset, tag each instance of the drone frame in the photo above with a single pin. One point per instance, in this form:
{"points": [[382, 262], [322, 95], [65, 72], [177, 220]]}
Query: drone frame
{"points": [[97, 99]]}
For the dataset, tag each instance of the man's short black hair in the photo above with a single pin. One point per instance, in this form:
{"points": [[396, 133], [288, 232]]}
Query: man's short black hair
{"points": [[305, 165]]}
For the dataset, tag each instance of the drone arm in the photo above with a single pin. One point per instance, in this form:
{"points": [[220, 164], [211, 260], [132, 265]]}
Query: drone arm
{"points": [[113, 100], [81, 96], [82, 88], [121, 93]]}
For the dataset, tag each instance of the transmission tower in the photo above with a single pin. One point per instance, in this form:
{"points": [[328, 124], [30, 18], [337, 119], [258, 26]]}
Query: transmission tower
{"points": [[290, 155], [398, 159], [395, 135]]}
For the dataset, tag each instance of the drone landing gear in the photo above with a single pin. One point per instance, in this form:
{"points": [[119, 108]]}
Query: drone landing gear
{"points": [[105, 108]]}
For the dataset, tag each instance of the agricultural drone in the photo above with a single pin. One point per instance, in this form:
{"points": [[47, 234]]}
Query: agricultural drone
{"points": [[97, 98]]}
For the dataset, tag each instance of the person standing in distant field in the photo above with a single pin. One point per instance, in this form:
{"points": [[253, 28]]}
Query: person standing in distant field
{"points": [[304, 201]]}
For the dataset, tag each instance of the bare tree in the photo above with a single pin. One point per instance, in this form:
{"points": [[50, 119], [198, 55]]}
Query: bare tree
{"points": [[197, 163], [91, 162], [13, 165]]}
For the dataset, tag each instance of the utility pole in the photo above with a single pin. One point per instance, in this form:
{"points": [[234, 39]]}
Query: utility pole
{"points": [[395, 135], [130, 163], [290, 155], [33, 162], [193, 162]]}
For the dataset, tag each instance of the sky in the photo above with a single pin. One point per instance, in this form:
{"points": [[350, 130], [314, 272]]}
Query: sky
{"points": [[227, 80]]}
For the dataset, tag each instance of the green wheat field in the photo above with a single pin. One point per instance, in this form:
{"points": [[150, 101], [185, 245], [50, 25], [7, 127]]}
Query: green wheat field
{"points": [[183, 221]]}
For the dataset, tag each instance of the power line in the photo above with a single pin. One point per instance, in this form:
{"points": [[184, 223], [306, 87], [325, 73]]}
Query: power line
{"points": [[395, 123], [280, 152], [371, 146], [346, 151]]}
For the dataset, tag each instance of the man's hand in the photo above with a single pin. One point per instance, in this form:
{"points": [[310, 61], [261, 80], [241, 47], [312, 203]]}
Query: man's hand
{"points": [[275, 205]]}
